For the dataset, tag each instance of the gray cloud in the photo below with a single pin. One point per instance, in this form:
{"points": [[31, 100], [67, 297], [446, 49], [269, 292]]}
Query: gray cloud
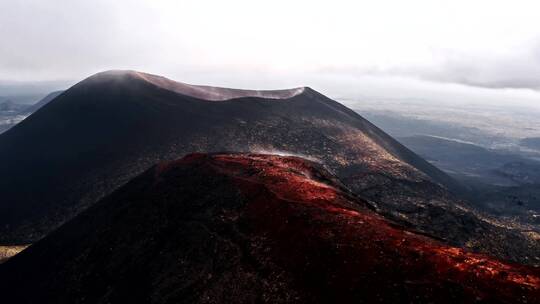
{"points": [[234, 45], [516, 69], [64, 39]]}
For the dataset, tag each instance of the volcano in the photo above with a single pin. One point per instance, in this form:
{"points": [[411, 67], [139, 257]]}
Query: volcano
{"points": [[245, 228], [112, 126]]}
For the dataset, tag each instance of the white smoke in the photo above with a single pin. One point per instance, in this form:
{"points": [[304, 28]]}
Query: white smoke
{"points": [[285, 153]]}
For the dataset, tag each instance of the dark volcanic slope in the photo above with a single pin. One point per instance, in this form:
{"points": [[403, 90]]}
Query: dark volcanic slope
{"points": [[112, 126], [235, 228]]}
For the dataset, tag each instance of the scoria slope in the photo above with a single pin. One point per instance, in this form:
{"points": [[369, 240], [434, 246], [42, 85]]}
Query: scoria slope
{"points": [[244, 228], [112, 126]]}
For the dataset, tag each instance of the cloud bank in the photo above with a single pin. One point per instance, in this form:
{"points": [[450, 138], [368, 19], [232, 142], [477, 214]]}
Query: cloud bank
{"points": [[492, 44]]}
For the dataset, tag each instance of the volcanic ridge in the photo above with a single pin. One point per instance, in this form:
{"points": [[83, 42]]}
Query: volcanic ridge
{"points": [[248, 228]]}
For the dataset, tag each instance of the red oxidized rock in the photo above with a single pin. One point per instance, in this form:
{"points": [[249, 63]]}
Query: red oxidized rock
{"points": [[243, 228]]}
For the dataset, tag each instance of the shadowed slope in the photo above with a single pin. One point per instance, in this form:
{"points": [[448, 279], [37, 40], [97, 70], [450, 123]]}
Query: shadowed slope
{"points": [[234, 228]]}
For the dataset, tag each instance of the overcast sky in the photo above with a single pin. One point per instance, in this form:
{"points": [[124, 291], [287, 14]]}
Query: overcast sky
{"points": [[429, 45]]}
